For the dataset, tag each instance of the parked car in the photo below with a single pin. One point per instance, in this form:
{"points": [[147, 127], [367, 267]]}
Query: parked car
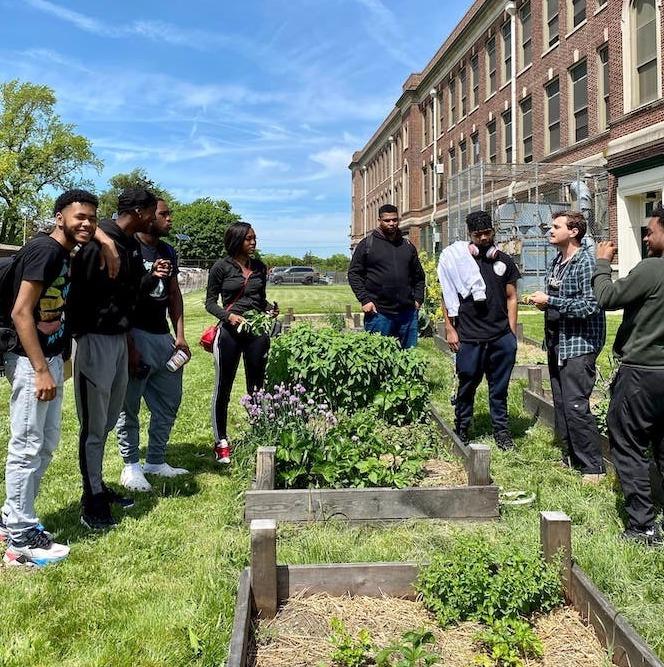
{"points": [[295, 274]]}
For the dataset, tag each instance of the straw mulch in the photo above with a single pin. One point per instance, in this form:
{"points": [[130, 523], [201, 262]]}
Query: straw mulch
{"points": [[298, 636], [438, 472]]}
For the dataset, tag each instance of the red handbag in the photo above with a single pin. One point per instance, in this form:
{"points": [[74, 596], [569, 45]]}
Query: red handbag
{"points": [[210, 333]]}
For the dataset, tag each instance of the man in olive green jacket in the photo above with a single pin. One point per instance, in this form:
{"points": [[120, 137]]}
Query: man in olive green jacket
{"points": [[636, 413]]}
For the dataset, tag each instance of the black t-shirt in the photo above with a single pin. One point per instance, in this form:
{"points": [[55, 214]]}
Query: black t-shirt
{"points": [[481, 321], [152, 307], [552, 315], [44, 260]]}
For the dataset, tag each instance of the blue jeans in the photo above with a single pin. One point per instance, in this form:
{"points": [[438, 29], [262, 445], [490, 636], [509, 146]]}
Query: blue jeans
{"points": [[35, 433], [403, 326]]}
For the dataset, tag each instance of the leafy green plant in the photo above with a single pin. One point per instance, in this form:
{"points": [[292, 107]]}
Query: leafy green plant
{"points": [[476, 580], [350, 651], [411, 651], [353, 453], [507, 641], [354, 371], [256, 322], [336, 320]]}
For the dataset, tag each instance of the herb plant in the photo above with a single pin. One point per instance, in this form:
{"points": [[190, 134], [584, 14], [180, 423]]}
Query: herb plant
{"points": [[349, 651], [354, 371], [256, 322], [476, 580], [507, 641], [411, 651]]}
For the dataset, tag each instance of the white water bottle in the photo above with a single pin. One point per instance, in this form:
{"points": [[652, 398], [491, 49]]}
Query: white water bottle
{"points": [[179, 359]]}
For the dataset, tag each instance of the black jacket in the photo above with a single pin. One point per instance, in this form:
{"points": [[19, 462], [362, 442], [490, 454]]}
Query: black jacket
{"points": [[97, 303], [225, 279], [388, 273]]}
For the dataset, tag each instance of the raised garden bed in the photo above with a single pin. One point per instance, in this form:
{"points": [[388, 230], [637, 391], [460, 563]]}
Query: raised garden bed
{"points": [[266, 590], [477, 500]]}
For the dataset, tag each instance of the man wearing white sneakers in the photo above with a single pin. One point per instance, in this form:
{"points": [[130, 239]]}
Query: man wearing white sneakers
{"points": [[151, 379], [34, 296]]}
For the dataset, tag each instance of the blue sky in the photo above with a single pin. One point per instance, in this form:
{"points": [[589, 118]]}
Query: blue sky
{"points": [[258, 102]]}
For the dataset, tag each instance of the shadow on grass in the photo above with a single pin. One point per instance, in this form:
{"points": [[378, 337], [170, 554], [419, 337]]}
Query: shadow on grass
{"points": [[518, 424]]}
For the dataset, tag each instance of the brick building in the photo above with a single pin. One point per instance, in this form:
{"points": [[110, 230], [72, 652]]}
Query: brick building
{"points": [[573, 82]]}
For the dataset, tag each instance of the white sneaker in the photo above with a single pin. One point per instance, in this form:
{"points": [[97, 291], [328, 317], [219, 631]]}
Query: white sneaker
{"points": [[164, 470], [132, 478], [38, 551]]}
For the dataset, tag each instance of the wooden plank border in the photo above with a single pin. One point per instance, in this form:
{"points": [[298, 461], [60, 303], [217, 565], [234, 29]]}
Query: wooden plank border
{"points": [[625, 646], [373, 504], [477, 501]]}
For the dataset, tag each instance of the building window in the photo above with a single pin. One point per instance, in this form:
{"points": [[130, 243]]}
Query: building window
{"points": [[452, 162], [491, 142], [526, 35], [475, 82], [506, 31], [452, 102], [441, 115], [644, 51], [474, 148], [527, 129], [463, 154], [603, 87], [441, 184], [426, 125], [432, 182], [426, 190], [553, 116], [507, 136], [463, 93], [577, 12], [491, 65], [601, 3], [579, 81], [551, 32], [405, 190]]}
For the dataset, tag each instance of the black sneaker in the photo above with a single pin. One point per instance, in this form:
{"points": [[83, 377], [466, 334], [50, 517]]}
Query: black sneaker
{"points": [[96, 513], [504, 440], [462, 434], [114, 498], [650, 537]]}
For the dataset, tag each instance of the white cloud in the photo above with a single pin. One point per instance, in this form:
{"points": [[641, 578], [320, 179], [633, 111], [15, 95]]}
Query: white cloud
{"points": [[250, 195], [334, 160], [267, 165]]}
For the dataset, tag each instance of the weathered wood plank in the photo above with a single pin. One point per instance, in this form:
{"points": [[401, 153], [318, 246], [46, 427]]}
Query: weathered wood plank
{"points": [[265, 467], [264, 566], [370, 579], [556, 537], [479, 465], [377, 504], [535, 381], [539, 407], [447, 431], [237, 648], [612, 629]]}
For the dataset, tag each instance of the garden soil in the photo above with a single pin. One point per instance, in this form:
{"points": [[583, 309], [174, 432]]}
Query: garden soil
{"points": [[299, 635]]}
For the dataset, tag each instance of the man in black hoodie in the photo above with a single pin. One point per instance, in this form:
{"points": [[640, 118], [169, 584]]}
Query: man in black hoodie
{"points": [[388, 280], [101, 310]]}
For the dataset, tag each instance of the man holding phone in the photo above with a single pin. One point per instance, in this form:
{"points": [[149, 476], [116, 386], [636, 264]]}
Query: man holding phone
{"points": [[100, 312], [152, 347]]}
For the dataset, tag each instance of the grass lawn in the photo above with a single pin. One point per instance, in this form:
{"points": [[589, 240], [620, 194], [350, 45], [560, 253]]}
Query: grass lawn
{"points": [[306, 299], [160, 589]]}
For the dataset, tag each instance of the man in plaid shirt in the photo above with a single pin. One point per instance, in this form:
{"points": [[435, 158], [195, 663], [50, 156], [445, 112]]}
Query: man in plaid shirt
{"points": [[575, 331]]}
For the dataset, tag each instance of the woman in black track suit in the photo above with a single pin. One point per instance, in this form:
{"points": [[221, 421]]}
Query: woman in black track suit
{"points": [[240, 281]]}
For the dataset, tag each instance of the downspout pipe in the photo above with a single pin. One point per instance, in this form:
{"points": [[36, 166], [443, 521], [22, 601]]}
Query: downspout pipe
{"points": [[364, 197], [510, 8], [434, 176], [391, 140]]}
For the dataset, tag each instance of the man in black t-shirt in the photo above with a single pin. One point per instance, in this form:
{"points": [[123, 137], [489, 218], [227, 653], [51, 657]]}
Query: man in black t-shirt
{"points": [[101, 317], [37, 291], [483, 335], [153, 346]]}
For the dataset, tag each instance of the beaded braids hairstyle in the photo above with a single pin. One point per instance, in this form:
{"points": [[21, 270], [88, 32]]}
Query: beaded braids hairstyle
{"points": [[234, 237]]}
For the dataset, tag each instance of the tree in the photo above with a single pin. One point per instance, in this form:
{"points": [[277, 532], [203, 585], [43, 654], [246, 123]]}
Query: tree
{"points": [[137, 178], [205, 222], [37, 151]]}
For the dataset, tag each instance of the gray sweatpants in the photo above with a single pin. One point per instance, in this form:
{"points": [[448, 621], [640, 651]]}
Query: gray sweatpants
{"points": [[35, 433], [162, 391], [100, 383]]}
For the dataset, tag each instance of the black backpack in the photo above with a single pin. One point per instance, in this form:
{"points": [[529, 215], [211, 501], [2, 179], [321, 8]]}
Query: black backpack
{"points": [[8, 338]]}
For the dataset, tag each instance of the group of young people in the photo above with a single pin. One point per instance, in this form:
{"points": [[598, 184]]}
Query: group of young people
{"points": [[480, 304]]}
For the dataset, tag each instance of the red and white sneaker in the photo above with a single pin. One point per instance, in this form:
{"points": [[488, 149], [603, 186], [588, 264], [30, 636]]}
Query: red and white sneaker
{"points": [[222, 452]]}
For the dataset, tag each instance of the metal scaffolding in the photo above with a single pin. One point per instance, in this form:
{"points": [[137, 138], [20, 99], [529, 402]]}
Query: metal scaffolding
{"points": [[521, 199]]}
